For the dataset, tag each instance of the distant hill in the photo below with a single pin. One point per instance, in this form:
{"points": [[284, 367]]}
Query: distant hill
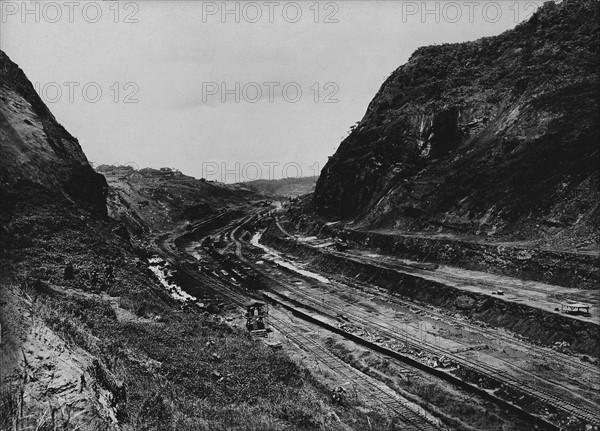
{"points": [[285, 187], [496, 137], [157, 198]]}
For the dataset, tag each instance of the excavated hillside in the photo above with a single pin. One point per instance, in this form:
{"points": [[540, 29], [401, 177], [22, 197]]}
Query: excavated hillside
{"points": [[284, 187], [496, 137], [52, 216], [159, 199], [90, 339], [37, 154]]}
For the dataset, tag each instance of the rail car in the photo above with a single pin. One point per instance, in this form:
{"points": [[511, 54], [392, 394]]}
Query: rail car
{"points": [[256, 316]]}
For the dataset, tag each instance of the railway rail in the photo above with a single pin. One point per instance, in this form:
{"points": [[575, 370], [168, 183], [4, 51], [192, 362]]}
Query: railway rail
{"points": [[413, 417], [540, 350], [370, 321], [583, 413], [591, 369], [416, 268], [493, 373], [370, 387]]}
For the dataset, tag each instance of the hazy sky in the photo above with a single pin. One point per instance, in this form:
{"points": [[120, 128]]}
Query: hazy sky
{"points": [[172, 59]]}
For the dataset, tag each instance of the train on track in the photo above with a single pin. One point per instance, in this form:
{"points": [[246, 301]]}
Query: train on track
{"points": [[256, 316]]}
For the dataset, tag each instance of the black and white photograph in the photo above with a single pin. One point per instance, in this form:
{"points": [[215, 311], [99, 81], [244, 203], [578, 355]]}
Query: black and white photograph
{"points": [[310, 215]]}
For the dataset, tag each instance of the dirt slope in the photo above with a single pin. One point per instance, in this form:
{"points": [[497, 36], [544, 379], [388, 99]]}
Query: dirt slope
{"points": [[157, 199], [285, 187]]}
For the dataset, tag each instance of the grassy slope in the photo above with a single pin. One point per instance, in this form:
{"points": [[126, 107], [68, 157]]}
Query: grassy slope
{"points": [[80, 349], [157, 360]]}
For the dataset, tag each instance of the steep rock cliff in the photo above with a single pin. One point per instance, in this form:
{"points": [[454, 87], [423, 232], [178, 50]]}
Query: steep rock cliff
{"points": [[37, 155], [498, 136]]}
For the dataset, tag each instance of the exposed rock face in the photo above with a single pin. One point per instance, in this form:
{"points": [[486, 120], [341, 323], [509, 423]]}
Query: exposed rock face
{"points": [[52, 210], [497, 136], [37, 152]]}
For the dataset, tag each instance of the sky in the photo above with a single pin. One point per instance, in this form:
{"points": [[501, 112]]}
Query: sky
{"points": [[229, 91]]}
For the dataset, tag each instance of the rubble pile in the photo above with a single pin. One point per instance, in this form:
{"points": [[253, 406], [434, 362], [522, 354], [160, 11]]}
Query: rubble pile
{"points": [[428, 359]]}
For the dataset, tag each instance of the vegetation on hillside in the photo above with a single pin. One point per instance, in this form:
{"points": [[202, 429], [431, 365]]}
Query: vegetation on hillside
{"points": [[90, 340], [495, 137], [166, 368]]}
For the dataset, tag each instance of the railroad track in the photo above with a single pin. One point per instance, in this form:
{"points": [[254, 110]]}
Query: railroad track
{"points": [[540, 350], [413, 417], [386, 262], [593, 370], [315, 299], [373, 389], [369, 322], [541, 394]]}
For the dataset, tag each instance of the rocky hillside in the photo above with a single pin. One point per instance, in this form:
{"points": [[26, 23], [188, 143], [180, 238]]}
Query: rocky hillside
{"points": [[89, 337], [496, 137], [52, 216], [37, 155], [157, 199], [284, 187]]}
